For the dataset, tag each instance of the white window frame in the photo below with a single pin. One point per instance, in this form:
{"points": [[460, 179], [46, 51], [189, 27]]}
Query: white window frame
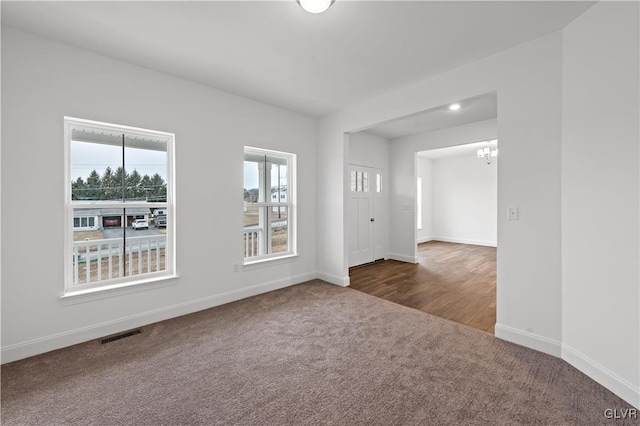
{"points": [[289, 203], [70, 289]]}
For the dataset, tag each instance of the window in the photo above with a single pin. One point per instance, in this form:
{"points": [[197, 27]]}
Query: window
{"points": [[115, 175], [360, 181], [84, 222], [269, 205]]}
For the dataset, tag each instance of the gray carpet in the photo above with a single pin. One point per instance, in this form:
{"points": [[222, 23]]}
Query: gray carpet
{"points": [[309, 354]]}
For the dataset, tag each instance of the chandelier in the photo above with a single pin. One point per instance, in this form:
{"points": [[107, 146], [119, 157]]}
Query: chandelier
{"points": [[488, 153]]}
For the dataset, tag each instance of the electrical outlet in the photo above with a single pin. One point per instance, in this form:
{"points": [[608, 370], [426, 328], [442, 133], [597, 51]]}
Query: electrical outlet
{"points": [[513, 213]]}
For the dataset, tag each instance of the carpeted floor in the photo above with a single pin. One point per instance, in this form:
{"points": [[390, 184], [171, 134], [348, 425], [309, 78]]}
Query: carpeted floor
{"points": [[309, 354]]}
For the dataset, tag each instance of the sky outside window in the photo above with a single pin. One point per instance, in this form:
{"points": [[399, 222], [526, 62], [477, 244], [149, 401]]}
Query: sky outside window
{"points": [[86, 157], [251, 175]]}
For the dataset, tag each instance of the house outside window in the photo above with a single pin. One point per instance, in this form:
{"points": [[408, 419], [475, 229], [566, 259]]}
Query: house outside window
{"points": [[87, 220], [269, 205], [115, 175]]}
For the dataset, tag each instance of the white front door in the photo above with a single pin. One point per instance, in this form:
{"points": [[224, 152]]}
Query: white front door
{"points": [[366, 242]]}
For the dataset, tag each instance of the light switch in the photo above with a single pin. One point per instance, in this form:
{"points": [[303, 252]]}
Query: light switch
{"points": [[513, 213]]}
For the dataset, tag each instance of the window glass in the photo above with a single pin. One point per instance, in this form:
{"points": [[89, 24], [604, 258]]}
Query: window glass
{"points": [[268, 204], [96, 168], [279, 231], [146, 170], [118, 174], [252, 179]]}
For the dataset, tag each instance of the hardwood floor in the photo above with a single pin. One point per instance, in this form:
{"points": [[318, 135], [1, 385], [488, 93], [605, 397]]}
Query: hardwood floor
{"points": [[452, 281]]}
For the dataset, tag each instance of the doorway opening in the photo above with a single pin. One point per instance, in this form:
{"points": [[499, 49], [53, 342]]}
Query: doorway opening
{"points": [[457, 232], [442, 221]]}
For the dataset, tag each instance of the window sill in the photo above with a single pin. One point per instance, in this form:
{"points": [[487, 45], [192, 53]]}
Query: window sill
{"points": [[269, 261], [81, 296]]}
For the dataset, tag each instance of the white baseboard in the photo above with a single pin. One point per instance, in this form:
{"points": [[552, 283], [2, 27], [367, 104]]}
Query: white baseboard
{"points": [[529, 340], [333, 279], [60, 340], [600, 374], [465, 241], [606, 378], [424, 240], [402, 257]]}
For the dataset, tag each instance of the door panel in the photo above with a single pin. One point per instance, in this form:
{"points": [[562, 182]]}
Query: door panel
{"points": [[353, 227], [365, 218], [364, 239]]}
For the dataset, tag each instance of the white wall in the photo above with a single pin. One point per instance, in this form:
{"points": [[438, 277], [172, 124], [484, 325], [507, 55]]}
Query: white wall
{"points": [[528, 81], [598, 302], [42, 81], [459, 194], [423, 170], [404, 160], [465, 200], [600, 205], [366, 149]]}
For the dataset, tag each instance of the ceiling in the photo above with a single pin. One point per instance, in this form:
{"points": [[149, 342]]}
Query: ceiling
{"points": [[474, 109], [274, 52]]}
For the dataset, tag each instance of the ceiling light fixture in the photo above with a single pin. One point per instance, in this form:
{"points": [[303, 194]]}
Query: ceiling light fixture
{"points": [[454, 107], [488, 153], [315, 6]]}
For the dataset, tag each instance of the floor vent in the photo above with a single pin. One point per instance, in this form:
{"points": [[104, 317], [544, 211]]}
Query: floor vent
{"points": [[120, 336]]}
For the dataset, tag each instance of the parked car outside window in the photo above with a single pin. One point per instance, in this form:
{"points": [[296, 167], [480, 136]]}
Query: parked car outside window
{"points": [[140, 224]]}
